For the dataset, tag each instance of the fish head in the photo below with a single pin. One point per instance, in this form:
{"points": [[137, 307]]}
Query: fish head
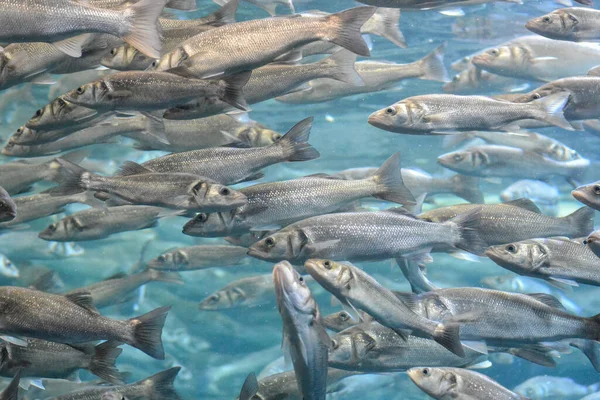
{"points": [[12, 149], [554, 25], [351, 346], [286, 244], [464, 160], [291, 291], [588, 194], [459, 83], [560, 152], [258, 135], [222, 299], [89, 95], [593, 242], [436, 382], [8, 209], [171, 259], [7, 268], [335, 277], [538, 93], [219, 197], [338, 321], [23, 135], [393, 117], [66, 229], [495, 59], [462, 64], [208, 225], [113, 395], [170, 60], [519, 257], [120, 58], [5, 66]]}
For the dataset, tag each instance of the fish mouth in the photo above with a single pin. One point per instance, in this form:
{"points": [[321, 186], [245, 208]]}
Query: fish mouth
{"points": [[188, 229], [479, 60], [413, 373], [311, 265], [531, 25], [376, 121], [580, 196], [8, 216], [261, 255]]}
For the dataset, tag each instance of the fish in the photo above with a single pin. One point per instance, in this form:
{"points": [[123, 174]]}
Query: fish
{"points": [[544, 195], [553, 259], [473, 80], [8, 207], [376, 76], [274, 80], [588, 195], [458, 383], [447, 7], [36, 20], [141, 186], [11, 392], [73, 319], [511, 162], [138, 91], [539, 59], [269, 6], [447, 113], [341, 320], [369, 236], [230, 165], [304, 336], [60, 114], [43, 359], [371, 347], [593, 242], [111, 395], [174, 31], [118, 287], [575, 24], [7, 268], [548, 387], [219, 51], [192, 258], [355, 289], [157, 386], [95, 224], [183, 5], [247, 292], [516, 220], [274, 204]]}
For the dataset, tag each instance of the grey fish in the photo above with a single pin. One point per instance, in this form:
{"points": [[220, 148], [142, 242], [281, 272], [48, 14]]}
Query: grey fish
{"points": [[341, 320], [43, 359], [277, 203], [184, 5], [174, 31], [18, 176], [427, 5], [7, 268], [517, 220], [269, 6], [222, 50], [553, 259], [148, 91], [435, 113], [248, 239], [73, 319], [576, 24], [194, 258], [355, 289], [544, 195], [92, 53], [38, 21], [8, 207], [372, 236], [246, 292], [459, 384], [371, 347], [473, 80], [304, 337], [512, 162], [157, 386], [376, 75], [60, 113], [139, 185], [117, 288], [554, 387], [95, 224], [274, 80], [593, 242], [588, 194], [538, 58], [230, 165]]}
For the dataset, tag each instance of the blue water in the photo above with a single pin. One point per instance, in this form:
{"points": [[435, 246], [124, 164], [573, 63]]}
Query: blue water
{"points": [[216, 350]]}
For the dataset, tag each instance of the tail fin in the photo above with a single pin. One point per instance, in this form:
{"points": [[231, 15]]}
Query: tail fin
{"points": [[343, 29], [234, 91], [390, 185], [448, 335], [295, 142], [551, 108], [385, 23], [467, 187], [69, 178], [12, 390], [581, 222], [103, 361], [169, 277], [250, 387], [224, 15], [183, 5], [341, 67], [590, 348], [161, 385], [468, 225], [432, 65], [144, 32], [147, 332]]}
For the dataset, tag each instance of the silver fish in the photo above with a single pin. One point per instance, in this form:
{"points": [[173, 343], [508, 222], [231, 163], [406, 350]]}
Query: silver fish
{"points": [[184, 5], [269, 6], [460, 384], [576, 24], [304, 337], [7, 268], [430, 4], [60, 114], [554, 387], [194, 258], [8, 207], [341, 320], [355, 289], [473, 80], [588, 195], [544, 195], [434, 113], [246, 292]]}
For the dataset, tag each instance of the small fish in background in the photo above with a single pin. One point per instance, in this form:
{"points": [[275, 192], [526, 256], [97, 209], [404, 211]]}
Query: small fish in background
{"points": [[588, 195], [544, 195], [7, 268], [199, 257], [548, 387], [576, 24], [269, 6], [473, 80], [246, 292], [8, 208], [457, 383]]}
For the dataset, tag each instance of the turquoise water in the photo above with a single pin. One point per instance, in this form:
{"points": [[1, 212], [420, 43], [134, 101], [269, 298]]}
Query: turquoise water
{"points": [[217, 349]]}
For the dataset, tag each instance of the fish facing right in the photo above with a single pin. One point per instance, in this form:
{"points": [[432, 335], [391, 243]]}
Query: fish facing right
{"points": [[304, 335]]}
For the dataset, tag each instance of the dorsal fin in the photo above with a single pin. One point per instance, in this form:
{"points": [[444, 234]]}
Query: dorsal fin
{"points": [[83, 300], [524, 204], [402, 211], [131, 168], [548, 300]]}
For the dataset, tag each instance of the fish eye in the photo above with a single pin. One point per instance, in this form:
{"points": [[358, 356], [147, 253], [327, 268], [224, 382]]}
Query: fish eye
{"points": [[201, 217], [52, 228], [425, 371], [113, 52], [270, 242], [20, 130], [456, 78], [390, 111], [301, 279], [546, 19], [224, 191], [161, 258], [511, 248], [494, 52], [80, 89], [457, 157], [585, 242], [597, 189], [38, 113], [334, 344], [277, 136], [213, 299], [344, 317], [327, 264], [154, 64]]}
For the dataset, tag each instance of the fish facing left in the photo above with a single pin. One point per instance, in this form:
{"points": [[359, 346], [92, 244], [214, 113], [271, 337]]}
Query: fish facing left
{"points": [[8, 208]]}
